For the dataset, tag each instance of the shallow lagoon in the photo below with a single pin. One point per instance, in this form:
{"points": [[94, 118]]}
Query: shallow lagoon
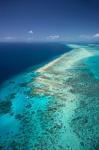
{"points": [[55, 107]]}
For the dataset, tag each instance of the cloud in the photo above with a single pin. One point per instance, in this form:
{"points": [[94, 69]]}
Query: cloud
{"points": [[30, 32], [85, 36], [53, 37], [9, 38], [90, 37], [96, 35]]}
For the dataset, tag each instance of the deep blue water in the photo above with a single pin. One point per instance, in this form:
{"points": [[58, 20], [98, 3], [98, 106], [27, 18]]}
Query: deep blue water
{"points": [[16, 57]]}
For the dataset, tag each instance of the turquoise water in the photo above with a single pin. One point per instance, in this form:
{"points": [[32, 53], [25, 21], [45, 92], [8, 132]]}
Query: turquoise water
{"points": [[57, 109], [93, 64]]}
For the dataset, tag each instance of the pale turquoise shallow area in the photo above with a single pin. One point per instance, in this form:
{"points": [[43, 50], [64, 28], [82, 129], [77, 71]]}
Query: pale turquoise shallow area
{"points": [[53, 109], [93, 64]]}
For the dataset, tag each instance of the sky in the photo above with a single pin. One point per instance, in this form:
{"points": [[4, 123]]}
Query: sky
{"points": [[49, 20]]}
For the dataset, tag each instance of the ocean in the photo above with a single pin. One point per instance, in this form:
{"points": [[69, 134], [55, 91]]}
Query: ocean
{"points": [[17, 57], [49, 97]]}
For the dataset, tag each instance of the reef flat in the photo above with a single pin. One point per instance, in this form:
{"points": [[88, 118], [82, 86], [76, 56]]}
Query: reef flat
{"points": [[55, 107]]}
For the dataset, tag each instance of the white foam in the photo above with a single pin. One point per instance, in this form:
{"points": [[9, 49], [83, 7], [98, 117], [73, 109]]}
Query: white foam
{"points": [[71, 57]]}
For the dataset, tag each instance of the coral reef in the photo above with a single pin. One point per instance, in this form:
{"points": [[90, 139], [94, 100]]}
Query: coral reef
{"points": [[5, 107]]}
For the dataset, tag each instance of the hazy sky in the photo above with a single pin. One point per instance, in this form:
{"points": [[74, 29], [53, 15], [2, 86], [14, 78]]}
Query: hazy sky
{"points": [[26, 20]]}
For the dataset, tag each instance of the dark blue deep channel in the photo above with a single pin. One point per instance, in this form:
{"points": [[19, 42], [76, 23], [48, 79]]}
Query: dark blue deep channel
{"points": [[16, 57]]}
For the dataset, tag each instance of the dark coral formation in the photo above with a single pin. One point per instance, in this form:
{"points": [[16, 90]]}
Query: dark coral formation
{"points": [[85, 119], [11, 82], [12, 96], [24, 84], [18, 117], [1, 147], [5, 106]]}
